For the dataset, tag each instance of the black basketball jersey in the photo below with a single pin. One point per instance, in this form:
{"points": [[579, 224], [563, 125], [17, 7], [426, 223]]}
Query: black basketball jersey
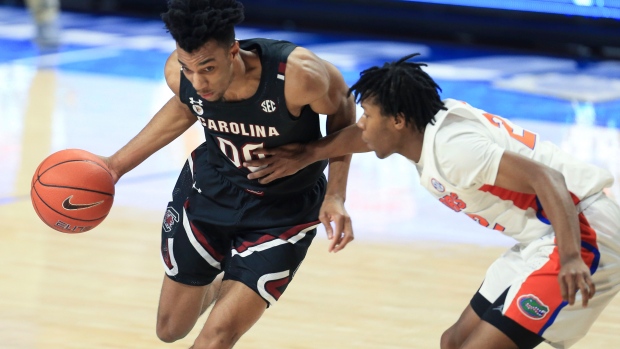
{"points": [[234, 129]]}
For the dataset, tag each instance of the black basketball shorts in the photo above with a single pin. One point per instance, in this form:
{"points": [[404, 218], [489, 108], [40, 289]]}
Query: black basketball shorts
{"points": [[259, 241], [492, 313]]}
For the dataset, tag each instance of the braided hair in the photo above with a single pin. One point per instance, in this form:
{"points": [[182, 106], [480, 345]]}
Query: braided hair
{"points": [[401, 88], [194, 22]]}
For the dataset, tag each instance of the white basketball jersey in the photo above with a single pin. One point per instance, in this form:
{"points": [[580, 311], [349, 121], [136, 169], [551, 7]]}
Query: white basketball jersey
{"points": [[459, 162]]}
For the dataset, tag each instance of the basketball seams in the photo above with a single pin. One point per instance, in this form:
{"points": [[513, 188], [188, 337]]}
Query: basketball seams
{"points": [[74, 160], [36, 209], [77, 188], [67, 161], [62, 214], [67, 187]]}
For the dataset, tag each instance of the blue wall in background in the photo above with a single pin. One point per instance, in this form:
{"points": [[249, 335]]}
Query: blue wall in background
{"points": [[576, 28], [586, 8]]}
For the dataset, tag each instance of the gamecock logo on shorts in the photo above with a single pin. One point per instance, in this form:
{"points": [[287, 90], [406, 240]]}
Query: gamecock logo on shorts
{"points": [[170, 218]]}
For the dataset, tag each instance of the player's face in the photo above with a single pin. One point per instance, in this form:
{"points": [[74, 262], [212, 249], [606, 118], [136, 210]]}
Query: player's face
{"points": [[209, 69], [377, 130]]}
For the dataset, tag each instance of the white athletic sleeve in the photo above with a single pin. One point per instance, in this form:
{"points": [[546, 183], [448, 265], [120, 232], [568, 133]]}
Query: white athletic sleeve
{"points": [[466, 154]]}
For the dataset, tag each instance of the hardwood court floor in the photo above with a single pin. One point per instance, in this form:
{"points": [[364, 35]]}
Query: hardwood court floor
{"points": [[99, 290]]}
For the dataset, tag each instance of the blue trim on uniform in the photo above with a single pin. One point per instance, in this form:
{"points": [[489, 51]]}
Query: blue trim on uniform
{"points": [[539, 214], [552, 318], [596, 253]]}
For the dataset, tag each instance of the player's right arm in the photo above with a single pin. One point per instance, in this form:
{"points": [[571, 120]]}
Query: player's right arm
{"points": [[288, 159], [520, 174], [469, 158], [169, 122]]}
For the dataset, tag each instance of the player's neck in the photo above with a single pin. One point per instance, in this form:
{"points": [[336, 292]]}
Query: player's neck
{"points": [[411, 146], [246, 76]]}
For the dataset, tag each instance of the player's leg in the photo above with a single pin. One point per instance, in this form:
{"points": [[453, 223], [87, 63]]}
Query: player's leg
{"points": [[193, 256], [236, 310], [181, 305], [259, 270], [487, 336], [482, 325], [213, 292], [193, 263], [456, 335], [497, 331], [498, 277]]}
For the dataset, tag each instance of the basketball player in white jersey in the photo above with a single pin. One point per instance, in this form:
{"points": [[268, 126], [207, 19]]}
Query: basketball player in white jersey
{"points": [[565, 268]]}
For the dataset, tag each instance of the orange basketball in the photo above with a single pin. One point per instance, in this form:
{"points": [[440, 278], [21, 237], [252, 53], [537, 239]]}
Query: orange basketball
{"points": [[72, 191]]}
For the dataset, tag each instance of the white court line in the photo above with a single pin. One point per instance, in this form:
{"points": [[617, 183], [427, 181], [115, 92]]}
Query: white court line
{"points": [[58, 58]]}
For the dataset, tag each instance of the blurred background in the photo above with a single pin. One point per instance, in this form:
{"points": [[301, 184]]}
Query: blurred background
{"points": [[583, 28], [89, 74]]}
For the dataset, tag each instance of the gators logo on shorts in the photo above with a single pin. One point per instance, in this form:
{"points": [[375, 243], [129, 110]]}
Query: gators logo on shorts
{"points": [[532, 307]]}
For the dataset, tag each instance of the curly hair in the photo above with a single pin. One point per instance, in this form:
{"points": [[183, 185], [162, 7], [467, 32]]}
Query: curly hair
{"points": [[401, 87], [194, 22]]}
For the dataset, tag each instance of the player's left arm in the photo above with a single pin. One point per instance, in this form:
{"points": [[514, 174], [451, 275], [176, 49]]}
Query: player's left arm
{"points": [[520, 174], [317, 83]]}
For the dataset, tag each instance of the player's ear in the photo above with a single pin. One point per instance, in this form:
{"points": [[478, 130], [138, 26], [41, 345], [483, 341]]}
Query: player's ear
{"points": [[399, 121], [234, 49]]}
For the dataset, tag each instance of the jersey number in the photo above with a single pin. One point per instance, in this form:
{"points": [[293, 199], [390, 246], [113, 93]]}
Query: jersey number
{"points": [[524, 136], [234, 155], [483, 222]]}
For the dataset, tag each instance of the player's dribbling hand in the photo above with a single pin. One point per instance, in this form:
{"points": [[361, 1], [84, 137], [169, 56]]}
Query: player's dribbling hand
{"points": [[341, 233], [279, 162], [575, 276]]}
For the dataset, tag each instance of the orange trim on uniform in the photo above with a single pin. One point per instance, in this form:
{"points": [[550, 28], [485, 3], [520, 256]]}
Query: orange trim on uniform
{"points": [[539, 300], [588, 234], [521, 200]]}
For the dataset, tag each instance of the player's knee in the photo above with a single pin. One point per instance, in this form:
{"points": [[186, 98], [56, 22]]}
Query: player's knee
{"points": [[167, 332], [448, 340]]}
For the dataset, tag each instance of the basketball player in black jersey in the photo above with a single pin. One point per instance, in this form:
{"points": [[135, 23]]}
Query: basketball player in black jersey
{"points": [[228, 240]]}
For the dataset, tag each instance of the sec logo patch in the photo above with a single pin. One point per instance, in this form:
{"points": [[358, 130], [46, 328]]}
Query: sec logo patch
{"points": [[438, 186]]}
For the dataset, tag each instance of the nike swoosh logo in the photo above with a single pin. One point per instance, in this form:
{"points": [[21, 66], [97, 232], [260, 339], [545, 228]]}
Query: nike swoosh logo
{"points": [[67, 205]]}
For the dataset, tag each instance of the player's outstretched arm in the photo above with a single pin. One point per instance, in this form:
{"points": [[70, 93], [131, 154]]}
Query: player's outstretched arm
{"points": [[520, 174], [288, 159], [315, 82], [169, 122]]}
